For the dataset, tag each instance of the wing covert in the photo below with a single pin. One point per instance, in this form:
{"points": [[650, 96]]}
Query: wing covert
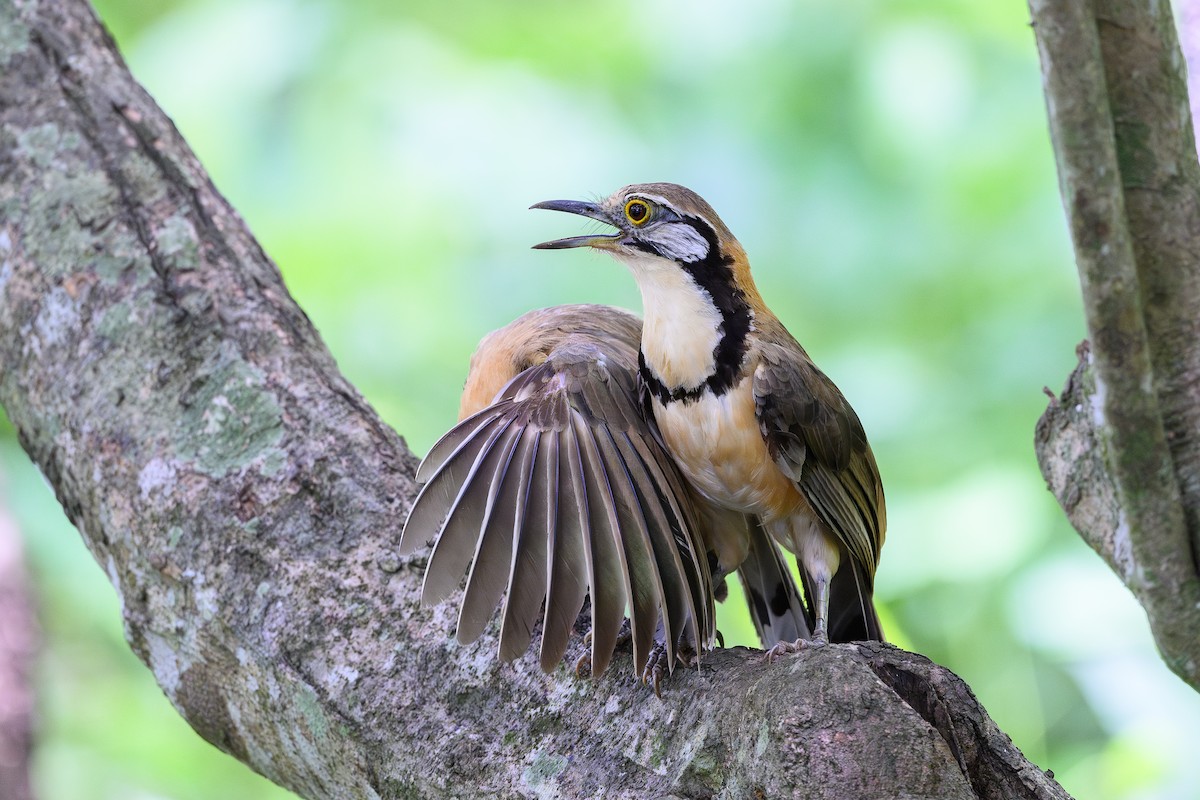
{"points": [[817, 440]]}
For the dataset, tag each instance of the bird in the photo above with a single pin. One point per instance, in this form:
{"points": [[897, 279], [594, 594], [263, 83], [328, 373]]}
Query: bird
{"points": [[752, 423], [555, 486]]}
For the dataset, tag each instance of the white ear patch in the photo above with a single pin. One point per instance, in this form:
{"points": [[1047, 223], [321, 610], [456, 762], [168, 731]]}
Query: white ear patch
{"points": [[678, 241]]}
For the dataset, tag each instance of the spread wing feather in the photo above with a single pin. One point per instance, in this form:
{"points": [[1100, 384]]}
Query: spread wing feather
{"points": [[455, 454], [450, 444], [633, 539], [494, 548], [665, 561], [567, 566], [556, 492], [693, 616], [608, 575], [527, 574], [456, 543]]}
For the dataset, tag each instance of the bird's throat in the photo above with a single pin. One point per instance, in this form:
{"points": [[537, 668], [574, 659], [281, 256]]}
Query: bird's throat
{"points": [[695, 330], [681, 329]]}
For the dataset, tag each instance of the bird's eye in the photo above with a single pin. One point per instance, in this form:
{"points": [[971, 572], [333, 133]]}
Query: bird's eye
{"points": [[638, 211]]}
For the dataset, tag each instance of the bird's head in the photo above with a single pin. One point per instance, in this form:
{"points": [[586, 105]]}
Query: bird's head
{"points": [[658, 225], [698, 299]]}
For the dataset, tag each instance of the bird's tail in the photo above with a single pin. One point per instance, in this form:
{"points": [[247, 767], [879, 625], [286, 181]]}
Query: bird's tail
{"points": [[778, 612]]}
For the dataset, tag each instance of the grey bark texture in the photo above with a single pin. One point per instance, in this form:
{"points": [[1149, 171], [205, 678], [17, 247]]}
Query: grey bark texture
{"points": [[1121, 448], [18, 647], [245, 502]]}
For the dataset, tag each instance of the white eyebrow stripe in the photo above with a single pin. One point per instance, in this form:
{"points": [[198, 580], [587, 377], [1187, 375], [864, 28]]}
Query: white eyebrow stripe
{"points": [[662, 201]]}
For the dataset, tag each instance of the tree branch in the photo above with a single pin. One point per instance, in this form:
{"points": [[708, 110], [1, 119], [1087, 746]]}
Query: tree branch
{"points": [[245, 501], [1121, 450]]}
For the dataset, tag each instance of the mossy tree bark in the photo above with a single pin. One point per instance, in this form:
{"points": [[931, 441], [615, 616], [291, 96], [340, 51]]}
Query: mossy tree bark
{"points": [[1121, 448], [245, 502]]}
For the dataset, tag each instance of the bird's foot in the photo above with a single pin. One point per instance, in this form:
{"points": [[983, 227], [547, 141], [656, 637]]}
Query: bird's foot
{"points": [[583, 665], [658, 665], [784, 648], [788, 648]]}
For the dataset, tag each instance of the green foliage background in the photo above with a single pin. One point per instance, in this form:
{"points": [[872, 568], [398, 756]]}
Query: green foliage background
{"points": [[885, 164]]}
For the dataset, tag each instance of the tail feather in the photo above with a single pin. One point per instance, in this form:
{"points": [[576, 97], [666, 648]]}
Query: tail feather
{"points": [[776, 609]]}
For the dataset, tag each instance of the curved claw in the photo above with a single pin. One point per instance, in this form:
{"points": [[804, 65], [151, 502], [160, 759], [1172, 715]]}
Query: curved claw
{"points": [[687, 655], [583, 664], [789, 648], [657, 666], [783, 649]]}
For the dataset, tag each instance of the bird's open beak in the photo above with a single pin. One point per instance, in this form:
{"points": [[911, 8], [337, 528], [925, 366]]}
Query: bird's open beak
{"points": [[583, 209]]}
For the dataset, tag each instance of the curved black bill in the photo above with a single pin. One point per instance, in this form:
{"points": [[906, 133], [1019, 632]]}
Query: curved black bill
{"points": [[584, 209]]}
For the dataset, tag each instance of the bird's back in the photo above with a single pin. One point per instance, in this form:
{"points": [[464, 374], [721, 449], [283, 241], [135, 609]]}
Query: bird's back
{"points": [[529, 339]]}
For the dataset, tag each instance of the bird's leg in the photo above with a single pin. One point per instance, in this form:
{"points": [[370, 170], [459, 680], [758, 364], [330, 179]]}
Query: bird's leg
{"points": [[820, 637], [821, 601], [818, 555]]}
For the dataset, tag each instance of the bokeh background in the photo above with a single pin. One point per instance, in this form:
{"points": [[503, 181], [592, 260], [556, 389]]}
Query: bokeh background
{"points": [[885, 164]]}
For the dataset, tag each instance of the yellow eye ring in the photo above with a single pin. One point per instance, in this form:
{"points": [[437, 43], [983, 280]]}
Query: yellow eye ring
{"points": [[637, 211]]}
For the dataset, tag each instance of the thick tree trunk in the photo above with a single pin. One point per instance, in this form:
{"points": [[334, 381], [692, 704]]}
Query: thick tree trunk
{"points": [[18, 646], [1121, 448], [245, 503]]}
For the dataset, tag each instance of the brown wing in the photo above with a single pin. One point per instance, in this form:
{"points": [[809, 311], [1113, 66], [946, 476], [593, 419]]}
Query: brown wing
{"points": [[816, 439], [557, 491]]}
